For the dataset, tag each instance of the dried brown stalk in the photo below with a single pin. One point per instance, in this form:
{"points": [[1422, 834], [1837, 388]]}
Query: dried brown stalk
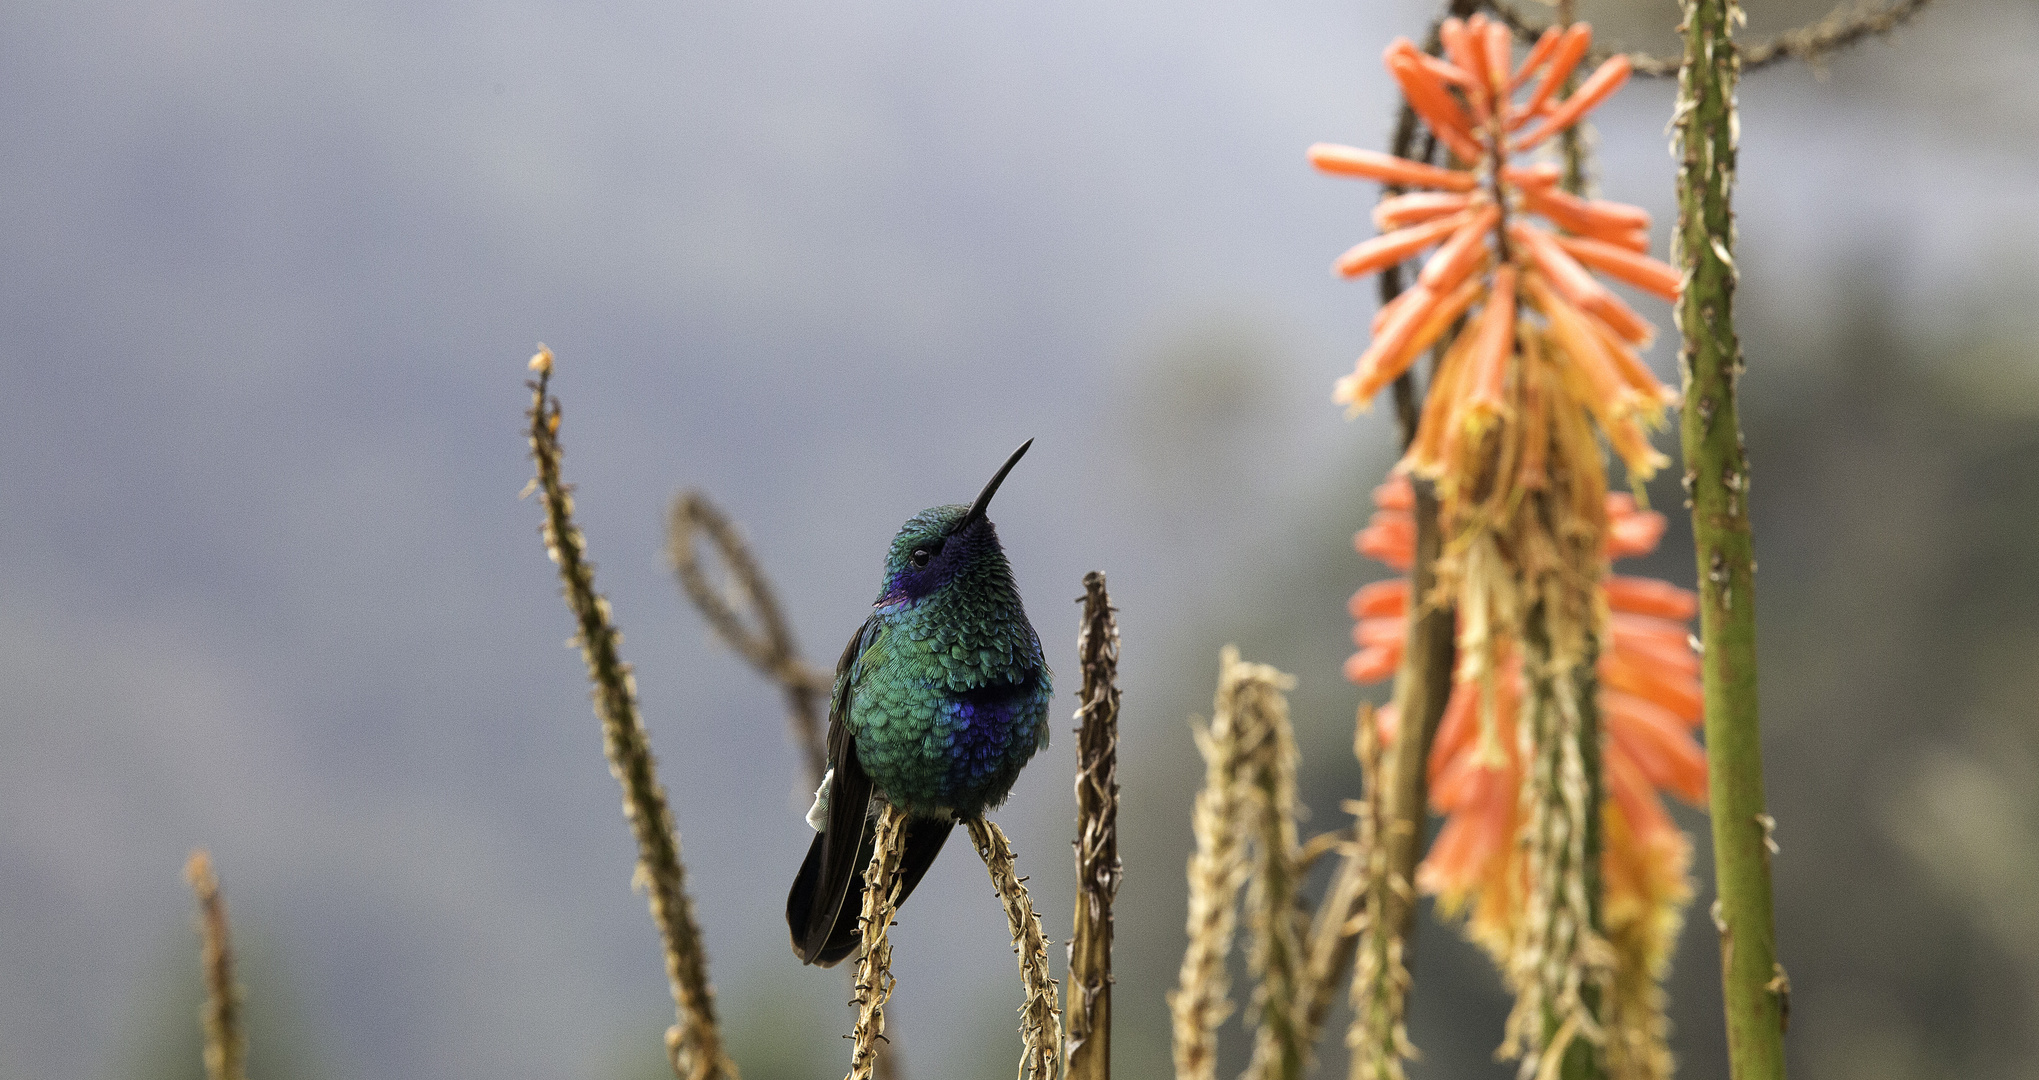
{"points": [[769, 647], [1200, 1001], [1846, 25], [694, 1043], [1087, 1038], [1334, 928], [226, 1048], [1274, 916], [1379, 1036], [1040, 1018], [873, 982]]}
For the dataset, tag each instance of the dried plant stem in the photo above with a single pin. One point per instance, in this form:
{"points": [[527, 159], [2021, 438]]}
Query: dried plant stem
{"points": [[873, 982], [1274, 915], [1334, 932], [694, 1043], [1040, 1019], [1201, 1000], [1224, 823], [1087, 1038], [1846, 25], [1717, 485], [226, 1048], [1379, 1036], [769, 648], [1561, 967]]}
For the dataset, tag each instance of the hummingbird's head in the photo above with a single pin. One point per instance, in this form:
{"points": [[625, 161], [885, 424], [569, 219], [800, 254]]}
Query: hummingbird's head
{"points": [[943, 543]]}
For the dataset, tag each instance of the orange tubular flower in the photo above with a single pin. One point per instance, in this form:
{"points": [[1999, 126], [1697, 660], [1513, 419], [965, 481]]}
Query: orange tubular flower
{"points": [[1649, 710], [1476, 215]]}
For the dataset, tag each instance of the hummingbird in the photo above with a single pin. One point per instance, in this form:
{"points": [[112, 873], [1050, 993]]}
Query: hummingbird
{"points": [[940, 698]]}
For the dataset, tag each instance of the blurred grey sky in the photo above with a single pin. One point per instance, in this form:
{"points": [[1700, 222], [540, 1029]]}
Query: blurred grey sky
{"points": [[273, 271]]}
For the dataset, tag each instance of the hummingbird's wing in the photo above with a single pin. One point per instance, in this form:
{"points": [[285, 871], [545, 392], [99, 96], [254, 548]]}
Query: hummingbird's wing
{"points": [[832, 869], [826, 901]]}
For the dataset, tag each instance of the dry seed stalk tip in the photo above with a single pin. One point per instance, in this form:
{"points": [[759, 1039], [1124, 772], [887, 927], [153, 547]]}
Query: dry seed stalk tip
{"points": [[1275, 919], [226, 1048], [694, 1044], [1218, 869]]}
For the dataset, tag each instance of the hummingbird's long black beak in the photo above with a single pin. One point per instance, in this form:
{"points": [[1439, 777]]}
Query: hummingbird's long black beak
{"points": [[984, 497]]}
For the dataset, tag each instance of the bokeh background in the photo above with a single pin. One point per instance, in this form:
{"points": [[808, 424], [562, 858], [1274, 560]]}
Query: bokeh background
{"points": [[272, 272]]}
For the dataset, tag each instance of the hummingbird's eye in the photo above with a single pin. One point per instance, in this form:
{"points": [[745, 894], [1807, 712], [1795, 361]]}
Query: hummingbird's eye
{"points": [[921, 556]]}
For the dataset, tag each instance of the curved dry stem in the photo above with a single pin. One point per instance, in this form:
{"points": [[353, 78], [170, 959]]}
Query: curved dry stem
{"points": [[873, 984], [226, 1048], [1846, 25], [1087, 1038], [769, 648], [694, 1044], [1040, 1019]]}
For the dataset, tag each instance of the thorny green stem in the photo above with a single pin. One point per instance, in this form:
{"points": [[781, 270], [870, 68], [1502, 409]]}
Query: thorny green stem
{"points": [[694, 1043], [1717, 487], [1087, 1035]]}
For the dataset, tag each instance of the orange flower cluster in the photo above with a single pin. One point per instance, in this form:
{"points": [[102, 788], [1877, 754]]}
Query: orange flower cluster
{"points": [[1649, 707], [1477, 214]]}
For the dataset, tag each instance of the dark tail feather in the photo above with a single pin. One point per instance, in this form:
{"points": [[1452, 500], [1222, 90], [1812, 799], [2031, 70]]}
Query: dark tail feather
{"points": [[924, 840]]}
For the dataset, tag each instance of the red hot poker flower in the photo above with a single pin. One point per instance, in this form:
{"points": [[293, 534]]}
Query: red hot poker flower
{"points": [[1478, 214], [1649, 707]]}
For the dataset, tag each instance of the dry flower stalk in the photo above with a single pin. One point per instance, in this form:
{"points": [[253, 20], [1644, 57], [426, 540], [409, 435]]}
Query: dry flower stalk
{"points": [[873, 983], [1379, 1036], [769, 647], [1218, 869], [1040, 1018], [226, 1048], [1087, 1038], [1274, 915], [1334, 931], [694, 1044]]}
